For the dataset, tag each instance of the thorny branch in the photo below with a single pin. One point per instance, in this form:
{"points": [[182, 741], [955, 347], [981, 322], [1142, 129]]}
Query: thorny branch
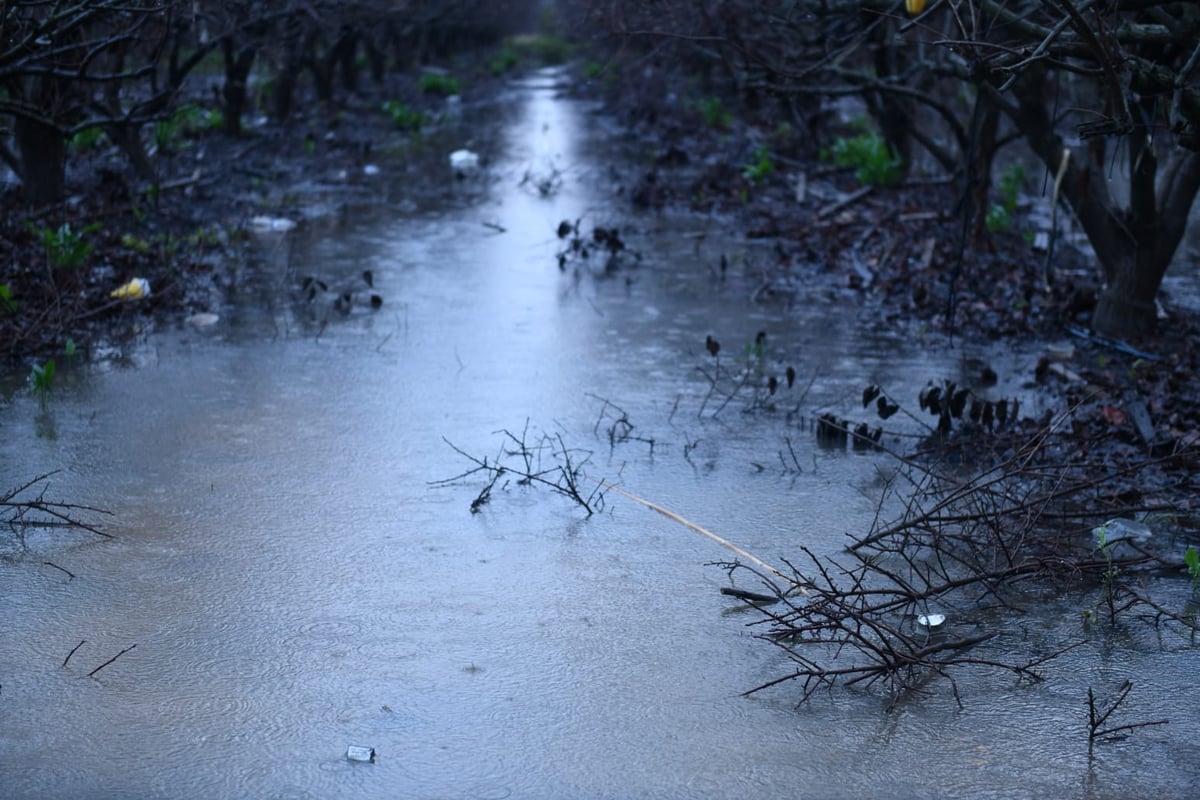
{"points": [[23, 515]]}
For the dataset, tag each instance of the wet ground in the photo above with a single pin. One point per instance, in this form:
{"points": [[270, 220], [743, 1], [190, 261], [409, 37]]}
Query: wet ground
{"points": [[294, 583]]}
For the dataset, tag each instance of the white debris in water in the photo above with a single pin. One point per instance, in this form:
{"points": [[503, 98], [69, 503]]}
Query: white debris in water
{"points": [[931, 621], [464, 161], [203, 319], [271, 223], [370, 169], [356, 752]]}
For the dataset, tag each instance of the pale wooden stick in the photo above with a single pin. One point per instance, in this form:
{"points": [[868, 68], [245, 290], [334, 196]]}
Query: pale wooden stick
{"points": [[704, 532]]}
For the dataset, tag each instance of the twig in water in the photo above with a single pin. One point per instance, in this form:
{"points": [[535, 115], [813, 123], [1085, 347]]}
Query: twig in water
{"points": [[82, 642], [111, 660], [703, 532], [70, 574], [1096, 719]]}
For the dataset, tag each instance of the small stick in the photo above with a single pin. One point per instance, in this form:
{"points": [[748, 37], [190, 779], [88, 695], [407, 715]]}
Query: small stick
{"points": [[114, 658], [693, 526], [61, 569], [82, 642], [849, 199], [750, 597]]}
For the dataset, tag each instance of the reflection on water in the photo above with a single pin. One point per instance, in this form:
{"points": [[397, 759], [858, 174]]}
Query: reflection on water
{"points": [[294, 585]]}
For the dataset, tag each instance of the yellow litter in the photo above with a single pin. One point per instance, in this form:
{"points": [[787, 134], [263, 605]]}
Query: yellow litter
{"points": [[136, 289]]}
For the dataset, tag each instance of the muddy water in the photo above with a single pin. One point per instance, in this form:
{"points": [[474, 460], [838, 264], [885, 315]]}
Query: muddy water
{"points": [[295, 585]]}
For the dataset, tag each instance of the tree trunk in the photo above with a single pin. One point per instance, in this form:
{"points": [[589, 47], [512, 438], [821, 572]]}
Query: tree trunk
{"points": [[346, 51], [1133, 245], [234, 93], [43, 158]]}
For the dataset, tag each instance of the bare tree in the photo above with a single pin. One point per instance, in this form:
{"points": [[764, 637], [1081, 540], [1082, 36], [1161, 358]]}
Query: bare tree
{"points": [[1071, 77]]}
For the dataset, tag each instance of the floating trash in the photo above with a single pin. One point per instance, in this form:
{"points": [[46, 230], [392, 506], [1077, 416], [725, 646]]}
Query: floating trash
{"points": [[357, 752], [136, 289], [370, 169], [272, 223], [931, 622], [203, 319], [464, 162]]}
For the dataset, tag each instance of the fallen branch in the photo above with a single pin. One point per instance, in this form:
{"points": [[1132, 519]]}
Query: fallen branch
{"points": [[111, 660], [82, 642]]}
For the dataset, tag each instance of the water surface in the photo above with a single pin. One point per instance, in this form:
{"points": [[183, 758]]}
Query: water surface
{"points": [[294, 584]]}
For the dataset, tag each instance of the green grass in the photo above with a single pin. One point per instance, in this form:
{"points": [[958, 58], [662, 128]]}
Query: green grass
{"points": [[7, 304], [592, 70], [999, 215], [760, 167], [544, 48], [873, 162], [86, 139], [438, 83], [188, 121], [403, 117], [505, 60], [714, 113]]}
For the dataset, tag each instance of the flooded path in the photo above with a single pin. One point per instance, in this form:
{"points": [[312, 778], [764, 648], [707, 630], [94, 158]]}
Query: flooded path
{"points": [[295, 585]]}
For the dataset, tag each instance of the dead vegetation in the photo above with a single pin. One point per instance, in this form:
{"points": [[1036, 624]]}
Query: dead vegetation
{"points": [[954, 554], [25, 509]]}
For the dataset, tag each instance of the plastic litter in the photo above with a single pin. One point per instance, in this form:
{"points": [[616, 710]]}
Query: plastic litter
{"points": [[464, 162], [272, 223], [203, 319], [931, 622], [1122, 536], [136, 289], [357, 752]]}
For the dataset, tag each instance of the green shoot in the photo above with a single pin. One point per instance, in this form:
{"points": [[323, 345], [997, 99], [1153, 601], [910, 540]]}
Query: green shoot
{"points": [[760, 167], [41, 381], [65, 247], [1191, 559]]}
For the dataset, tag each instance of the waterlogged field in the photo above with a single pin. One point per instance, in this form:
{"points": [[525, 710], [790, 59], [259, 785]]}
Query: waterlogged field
{"points": [[289, 579]]}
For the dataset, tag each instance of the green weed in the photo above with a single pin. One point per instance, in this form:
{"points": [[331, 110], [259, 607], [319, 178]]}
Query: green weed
{"points": [[41, 381], [65, 247], [542, 47], [135, 243], [760, 167], [187, 121], [403, 117], [506, 59], [872, 160], [438, 83], [7, 304], [999, 215], [592, 70], [714, 113], [1111, 571], [1191, 560], [86, 139]]}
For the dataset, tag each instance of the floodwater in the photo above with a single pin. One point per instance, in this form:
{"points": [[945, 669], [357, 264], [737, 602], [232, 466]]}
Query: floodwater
{"points": [[294, 583]]}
